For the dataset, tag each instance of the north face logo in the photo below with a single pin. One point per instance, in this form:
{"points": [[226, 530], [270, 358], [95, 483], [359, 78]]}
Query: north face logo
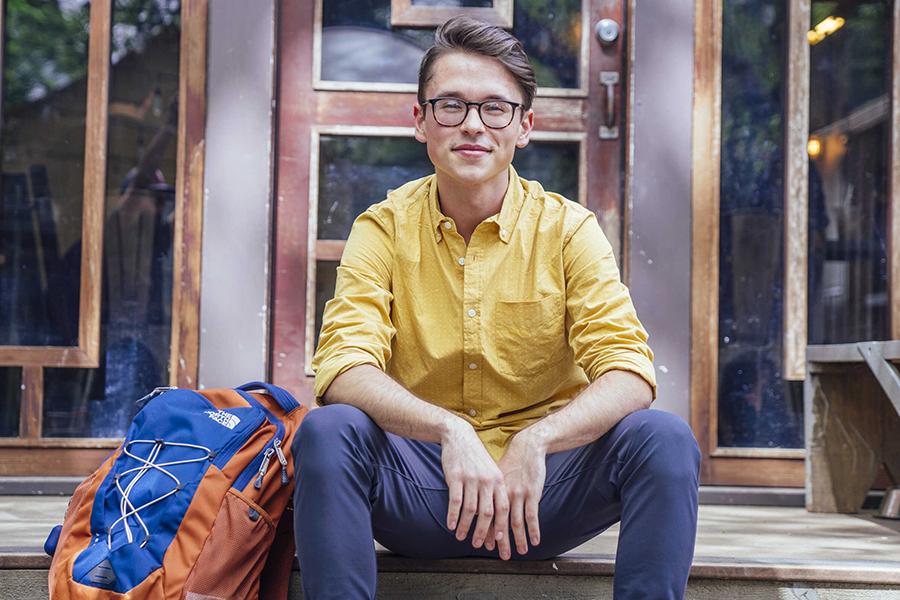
{"points": [[223, 418]]}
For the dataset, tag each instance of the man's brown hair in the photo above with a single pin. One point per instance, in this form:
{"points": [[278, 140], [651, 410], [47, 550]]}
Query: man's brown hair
{"points": [[465, 34]]}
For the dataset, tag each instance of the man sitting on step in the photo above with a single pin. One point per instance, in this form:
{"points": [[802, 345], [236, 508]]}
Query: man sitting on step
{"points": [[485, 378]]}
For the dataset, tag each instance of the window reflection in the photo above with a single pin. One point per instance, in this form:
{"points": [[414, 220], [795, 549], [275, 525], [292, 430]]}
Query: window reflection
{"points": [[357, 171], [757, 408], [10, 392], [138, 229], [849, 143], [43, 117], [326, 278], [358, 43], [553, 164]]}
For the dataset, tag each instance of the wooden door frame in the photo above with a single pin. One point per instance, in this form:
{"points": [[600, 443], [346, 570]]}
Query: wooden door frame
{"points": [[760, 466], [307, 105], [30, 453]]}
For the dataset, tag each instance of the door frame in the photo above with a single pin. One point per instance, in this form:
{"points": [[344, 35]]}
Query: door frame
{"points": [[306, 104]]}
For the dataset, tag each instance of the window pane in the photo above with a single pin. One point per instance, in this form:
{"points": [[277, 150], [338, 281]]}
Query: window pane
{"points": [[10, 403], [357, 171], [140, 207], [553, 164], [757, 408], [326, 275], [43, 115], [848, 173], [358, 43]]}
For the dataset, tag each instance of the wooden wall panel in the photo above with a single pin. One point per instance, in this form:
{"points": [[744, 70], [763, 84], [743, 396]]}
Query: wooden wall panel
{"points": [[185, 344]]}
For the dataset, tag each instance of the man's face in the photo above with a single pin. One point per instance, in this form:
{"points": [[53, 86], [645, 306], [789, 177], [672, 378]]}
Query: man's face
{"points": [[471, 153]]}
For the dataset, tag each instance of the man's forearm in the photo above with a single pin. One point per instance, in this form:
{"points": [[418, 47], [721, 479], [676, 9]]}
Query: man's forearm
{"points": [[590, 414], [394, 408]]}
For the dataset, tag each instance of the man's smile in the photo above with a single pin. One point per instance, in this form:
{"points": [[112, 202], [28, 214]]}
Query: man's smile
{"points": [[471, 150]]}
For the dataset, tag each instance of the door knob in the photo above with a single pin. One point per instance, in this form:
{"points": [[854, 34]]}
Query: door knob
{"points": [[607, 31]]}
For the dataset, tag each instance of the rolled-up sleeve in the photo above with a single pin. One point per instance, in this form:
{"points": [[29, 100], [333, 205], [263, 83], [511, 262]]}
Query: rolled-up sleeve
{"points": [[356, 324], [605, 333]]}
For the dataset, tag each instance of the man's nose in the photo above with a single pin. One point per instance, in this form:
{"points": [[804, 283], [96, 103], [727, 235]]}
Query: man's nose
{"points": [[473, 121]]}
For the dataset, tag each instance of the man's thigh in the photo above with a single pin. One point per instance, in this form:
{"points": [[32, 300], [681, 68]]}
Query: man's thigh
{"points": [[411, 498], [409, 508]]}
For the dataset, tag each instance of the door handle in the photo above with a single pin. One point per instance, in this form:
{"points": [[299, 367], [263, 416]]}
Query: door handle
{"points": [[609, 130]]}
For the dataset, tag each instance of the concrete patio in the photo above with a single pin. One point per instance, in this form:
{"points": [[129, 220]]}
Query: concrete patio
{"points": [[753, 552]]}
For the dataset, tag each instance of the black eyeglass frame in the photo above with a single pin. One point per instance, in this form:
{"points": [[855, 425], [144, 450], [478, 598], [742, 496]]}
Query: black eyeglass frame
{"points": [[469, 105]]}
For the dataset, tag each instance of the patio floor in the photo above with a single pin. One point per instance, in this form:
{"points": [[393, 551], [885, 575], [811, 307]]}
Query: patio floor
{"points": [[743, 542]]}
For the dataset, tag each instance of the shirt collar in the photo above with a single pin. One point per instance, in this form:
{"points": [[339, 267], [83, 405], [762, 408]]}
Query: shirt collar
{"points": [[506, 220]]}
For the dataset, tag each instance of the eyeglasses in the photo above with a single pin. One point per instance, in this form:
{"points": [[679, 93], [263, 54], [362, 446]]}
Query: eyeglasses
{"points": [[451, 112]]}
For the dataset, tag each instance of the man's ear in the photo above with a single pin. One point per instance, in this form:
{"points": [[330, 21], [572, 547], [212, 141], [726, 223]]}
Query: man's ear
{"points": [[525, 127], [419, 120]]}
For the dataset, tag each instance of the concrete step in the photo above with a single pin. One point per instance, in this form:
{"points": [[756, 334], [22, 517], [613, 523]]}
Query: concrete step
{"points": [[23, 576], [747, 552]]}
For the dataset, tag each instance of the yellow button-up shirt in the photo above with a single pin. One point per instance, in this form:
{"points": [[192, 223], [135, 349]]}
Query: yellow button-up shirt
{"points": [[501, 331]]}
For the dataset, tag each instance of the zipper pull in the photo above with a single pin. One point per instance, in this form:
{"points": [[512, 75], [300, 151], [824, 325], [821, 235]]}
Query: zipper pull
{"points": [[282, 460], [263, 468]]}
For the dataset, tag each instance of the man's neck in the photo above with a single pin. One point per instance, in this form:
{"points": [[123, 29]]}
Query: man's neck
{"points": [[470, 205]]}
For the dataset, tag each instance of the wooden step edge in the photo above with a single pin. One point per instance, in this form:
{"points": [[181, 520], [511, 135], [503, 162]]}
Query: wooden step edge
{"points": [[597, 565]]}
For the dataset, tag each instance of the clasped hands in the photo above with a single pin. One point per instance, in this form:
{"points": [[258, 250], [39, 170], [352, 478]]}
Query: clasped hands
{"points": [[498, 497]]}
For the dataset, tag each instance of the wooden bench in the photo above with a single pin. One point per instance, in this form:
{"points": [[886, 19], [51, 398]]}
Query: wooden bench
{"points": [[852, 418]]}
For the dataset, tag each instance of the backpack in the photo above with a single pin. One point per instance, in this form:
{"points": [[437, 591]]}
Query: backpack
{"points": [[189, 505]]}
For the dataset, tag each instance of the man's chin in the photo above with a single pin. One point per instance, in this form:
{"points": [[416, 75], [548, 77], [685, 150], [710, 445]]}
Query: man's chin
{"points": [[472, 175]]}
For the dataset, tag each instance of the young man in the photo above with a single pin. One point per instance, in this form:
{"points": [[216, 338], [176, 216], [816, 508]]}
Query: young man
{"points": [[484, 373]]}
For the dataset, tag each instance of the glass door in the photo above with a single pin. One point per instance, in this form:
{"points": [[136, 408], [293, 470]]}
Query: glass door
{"points": [[347, 79]]}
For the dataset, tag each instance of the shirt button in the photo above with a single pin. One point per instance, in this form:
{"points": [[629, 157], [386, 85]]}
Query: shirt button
{"points": [[447, 225], [471, 312], [472, 412], [461, 261], [503, 233], [473, 366]]}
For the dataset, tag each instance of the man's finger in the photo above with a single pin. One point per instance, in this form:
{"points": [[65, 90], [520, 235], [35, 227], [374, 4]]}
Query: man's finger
{"points": [[517, 520], [490, 540], [485, 515], [500, 530], [531, 518], [469, 507], [455, 503]]}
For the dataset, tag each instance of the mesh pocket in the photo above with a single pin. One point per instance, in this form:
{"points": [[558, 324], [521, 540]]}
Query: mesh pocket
{"points": [[232, 559]]}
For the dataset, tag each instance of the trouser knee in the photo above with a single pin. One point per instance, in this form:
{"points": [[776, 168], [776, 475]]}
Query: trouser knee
{"points": [[666, 442], [324, 429]]}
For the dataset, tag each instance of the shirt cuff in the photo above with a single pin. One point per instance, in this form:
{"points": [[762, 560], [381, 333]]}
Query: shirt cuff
{"points": [[327, 372], [639, 365]]}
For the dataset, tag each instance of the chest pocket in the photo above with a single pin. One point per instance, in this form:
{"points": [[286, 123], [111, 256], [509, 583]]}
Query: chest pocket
{"points": [[529, 335]]}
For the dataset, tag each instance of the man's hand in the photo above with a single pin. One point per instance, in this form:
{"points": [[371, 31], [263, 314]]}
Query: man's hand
{"points": [[524, 471], [476, 488]]}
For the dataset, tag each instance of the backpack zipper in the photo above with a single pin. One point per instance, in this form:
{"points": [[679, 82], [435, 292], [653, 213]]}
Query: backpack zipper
{"points": [[260, 464]]}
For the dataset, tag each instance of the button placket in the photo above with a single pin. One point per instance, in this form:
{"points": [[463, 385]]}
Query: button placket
{"points": [[472, 351]]}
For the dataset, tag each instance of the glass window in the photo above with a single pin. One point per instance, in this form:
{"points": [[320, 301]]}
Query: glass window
{"points": [[45, 48], [850, 70], [140, 211], [326, 277], [357, 171], [10, 392], [358, 43], [553, 164], [756, 407]]}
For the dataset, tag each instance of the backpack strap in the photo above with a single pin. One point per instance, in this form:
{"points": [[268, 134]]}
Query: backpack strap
{"points": [[283, 397]]}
